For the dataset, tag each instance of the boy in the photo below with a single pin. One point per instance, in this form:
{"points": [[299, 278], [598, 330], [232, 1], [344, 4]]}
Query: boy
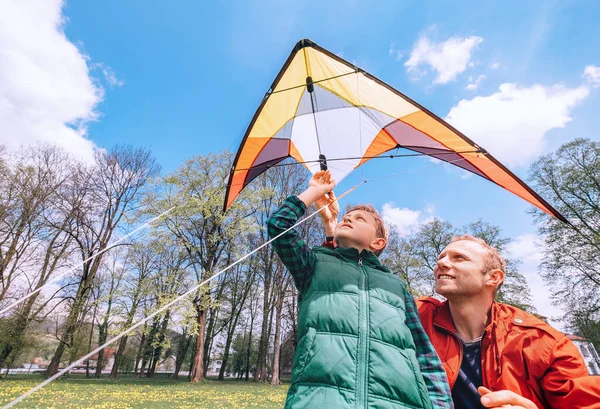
{"points": [[361, 344]]}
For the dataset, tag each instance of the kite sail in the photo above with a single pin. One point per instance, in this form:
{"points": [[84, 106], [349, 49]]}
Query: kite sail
{"points": [[321, 107]]}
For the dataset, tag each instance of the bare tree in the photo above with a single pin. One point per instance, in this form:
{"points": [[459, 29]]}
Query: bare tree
{"points": [[109, 190], [36, 243]]}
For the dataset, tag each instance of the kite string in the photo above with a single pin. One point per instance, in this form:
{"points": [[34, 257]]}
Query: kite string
{"points": [[58, 277], [359, 121], [196, 287]]}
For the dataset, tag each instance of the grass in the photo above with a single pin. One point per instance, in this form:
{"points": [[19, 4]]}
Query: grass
{"points": [[79, 392]]}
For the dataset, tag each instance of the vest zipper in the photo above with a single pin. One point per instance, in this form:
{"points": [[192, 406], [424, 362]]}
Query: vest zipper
{"points": [[363, 356]]}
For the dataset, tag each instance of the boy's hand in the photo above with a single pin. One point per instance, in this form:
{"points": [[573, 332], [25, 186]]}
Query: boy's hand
{"points": [[318, 186], [321, 182], [329, 207]]}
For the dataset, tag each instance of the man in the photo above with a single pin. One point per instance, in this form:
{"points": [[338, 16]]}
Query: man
{"points": [[488, 346], [495, 355]]}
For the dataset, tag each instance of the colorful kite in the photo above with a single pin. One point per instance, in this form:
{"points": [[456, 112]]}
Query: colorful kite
{"points": [[322, 108]]}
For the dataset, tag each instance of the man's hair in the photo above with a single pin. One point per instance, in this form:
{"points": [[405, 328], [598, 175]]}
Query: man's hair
{"points": [[380, 229], [493, 259]]}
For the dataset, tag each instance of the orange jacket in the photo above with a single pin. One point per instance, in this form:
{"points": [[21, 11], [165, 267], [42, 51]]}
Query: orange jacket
{"points": [[518, 352]]}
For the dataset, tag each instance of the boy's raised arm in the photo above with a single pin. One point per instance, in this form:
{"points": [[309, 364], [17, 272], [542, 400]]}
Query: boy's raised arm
{"points": [[429, 361], [291, 249]]}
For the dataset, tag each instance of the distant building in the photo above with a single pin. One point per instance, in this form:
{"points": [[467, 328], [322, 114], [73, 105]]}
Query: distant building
{"points": [[214, 366], [589, 353]]}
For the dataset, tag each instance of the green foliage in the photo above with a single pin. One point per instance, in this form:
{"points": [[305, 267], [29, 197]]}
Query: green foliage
{"points": [[239, 354], [569, 179]]}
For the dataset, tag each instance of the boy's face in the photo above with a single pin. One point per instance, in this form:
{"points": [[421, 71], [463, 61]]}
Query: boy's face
{"points": [[358, 229]]}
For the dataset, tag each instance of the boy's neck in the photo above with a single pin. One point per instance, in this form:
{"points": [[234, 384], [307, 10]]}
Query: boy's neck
{"points": [[347, 244]]}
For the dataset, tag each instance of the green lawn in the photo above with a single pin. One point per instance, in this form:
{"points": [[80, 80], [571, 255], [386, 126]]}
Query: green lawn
{"points": [[142, 393]]}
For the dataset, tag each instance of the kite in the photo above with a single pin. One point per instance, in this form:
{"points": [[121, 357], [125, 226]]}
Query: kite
{"points": [[322, 108]]}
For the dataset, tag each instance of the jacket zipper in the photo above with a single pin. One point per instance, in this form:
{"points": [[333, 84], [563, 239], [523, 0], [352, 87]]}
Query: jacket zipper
{"points": [[363, 356]]}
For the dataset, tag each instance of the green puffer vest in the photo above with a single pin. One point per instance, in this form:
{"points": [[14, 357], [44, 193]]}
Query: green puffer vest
{"points": [[354, 348]]}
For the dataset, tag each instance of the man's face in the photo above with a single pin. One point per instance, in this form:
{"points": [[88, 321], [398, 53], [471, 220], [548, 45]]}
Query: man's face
{"points": [[460, 269], [356, 229]]}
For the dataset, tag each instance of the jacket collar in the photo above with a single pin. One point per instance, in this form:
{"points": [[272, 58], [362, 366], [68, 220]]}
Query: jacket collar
{"points": [[352, 255], [443, 318]]}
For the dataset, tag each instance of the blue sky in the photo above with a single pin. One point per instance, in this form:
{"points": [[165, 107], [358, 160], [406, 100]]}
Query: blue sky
{"points": [[185, 77]]}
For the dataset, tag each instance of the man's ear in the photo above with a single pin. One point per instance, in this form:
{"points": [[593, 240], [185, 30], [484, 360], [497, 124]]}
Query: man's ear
{"points": [[378, 244], [496, 277]]}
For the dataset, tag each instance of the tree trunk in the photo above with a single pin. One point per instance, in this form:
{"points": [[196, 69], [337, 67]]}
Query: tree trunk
{"points": [[18, 330], [161, 339], [72, 320], [249, 350], [277, 343], [210, 329], [148, 354], [114, 373], [138, 356], [198, 371], [260, 374], [181, 355]]}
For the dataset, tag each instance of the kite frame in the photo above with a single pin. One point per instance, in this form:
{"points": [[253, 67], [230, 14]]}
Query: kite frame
{"points": [[308, 43]]}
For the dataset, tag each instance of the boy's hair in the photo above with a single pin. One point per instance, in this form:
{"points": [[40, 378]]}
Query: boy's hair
{"points": [[493, 259], [380, 229]]}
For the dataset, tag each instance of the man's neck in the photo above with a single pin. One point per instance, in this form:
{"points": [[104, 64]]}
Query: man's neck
{"points": [[470, 317]]}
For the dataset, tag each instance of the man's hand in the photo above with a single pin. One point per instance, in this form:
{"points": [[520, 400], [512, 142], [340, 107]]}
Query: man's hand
{"points": [[504, 399], [319, 185]]}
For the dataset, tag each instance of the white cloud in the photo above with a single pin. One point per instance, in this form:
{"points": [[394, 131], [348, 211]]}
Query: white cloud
{"points": [[108, 74], [495, 66], [526, 248], [405, 220], [395, 53], [46, 91], [512, 123], [591, 73], [448, 58], [473, 85]]}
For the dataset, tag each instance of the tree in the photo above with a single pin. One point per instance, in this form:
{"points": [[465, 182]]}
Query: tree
{"points": [[199, 226], [32, 232], [141, 262], [569, 179], [114, 273], [402, 257], [101, 197]]}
